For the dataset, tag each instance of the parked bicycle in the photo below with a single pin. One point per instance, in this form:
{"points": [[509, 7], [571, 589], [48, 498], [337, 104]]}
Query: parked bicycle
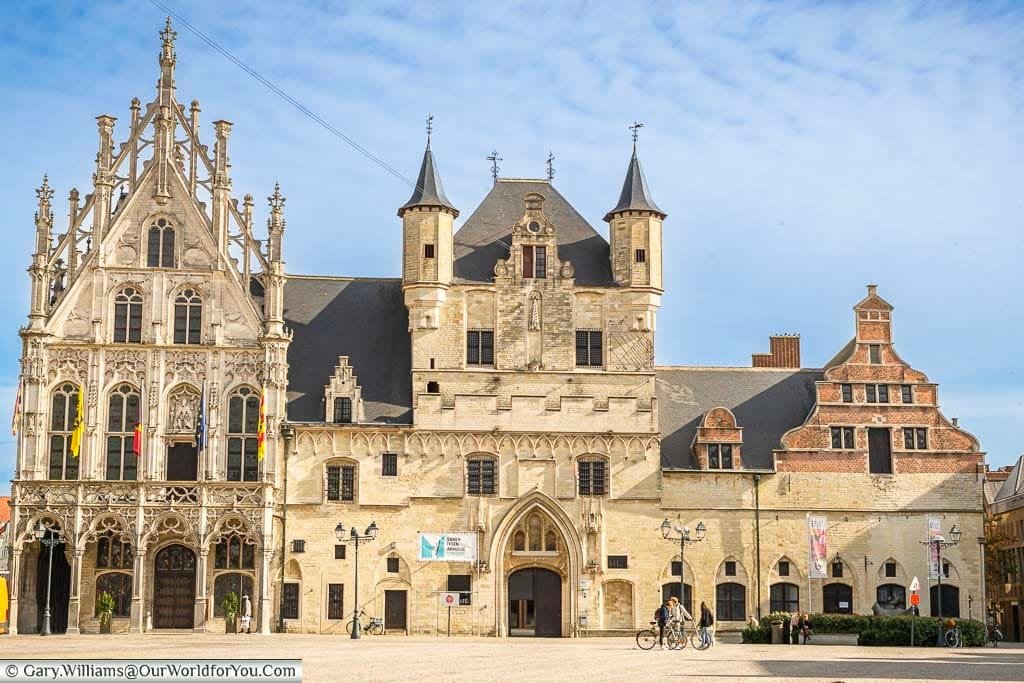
{"points": [[372, 625], [677, 636], [995, 636], [953, 637]]}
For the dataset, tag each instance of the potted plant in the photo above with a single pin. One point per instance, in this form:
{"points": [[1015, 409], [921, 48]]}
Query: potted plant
{"points": [[230, 606], [105, 609]]}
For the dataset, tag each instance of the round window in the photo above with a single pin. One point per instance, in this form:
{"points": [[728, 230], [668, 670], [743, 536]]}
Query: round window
{"points": [[534, 226]]}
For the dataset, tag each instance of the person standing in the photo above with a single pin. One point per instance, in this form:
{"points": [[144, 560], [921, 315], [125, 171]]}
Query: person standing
{"points": [[707, 624], [246, 613], [662, 615]]}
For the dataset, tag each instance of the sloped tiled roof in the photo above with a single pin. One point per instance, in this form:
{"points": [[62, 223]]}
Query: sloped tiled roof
{"points": [[1014, 484], [487, 234], [428, 191], [5, 510], [766, 402], [362, 318]]}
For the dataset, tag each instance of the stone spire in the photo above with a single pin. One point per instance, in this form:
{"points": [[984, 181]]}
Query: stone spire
{"points": [[635, 196], [429, 191], [275, 223], [44, 217], [167, 60]]}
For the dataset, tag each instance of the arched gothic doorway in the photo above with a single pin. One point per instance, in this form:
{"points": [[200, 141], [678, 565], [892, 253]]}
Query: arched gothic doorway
{"points": [[174, 588], [58, 577], [535, 603]]}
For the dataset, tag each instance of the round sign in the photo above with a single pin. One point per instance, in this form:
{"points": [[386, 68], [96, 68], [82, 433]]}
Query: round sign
{"points": [[449, 599], [915, 599]]}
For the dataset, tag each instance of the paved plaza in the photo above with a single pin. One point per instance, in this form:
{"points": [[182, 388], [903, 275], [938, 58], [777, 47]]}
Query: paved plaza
{"points": [[382, 658]]}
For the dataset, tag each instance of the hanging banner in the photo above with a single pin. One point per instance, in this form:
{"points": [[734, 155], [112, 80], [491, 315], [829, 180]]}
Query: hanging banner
{"points": [[933, 533], [457, 547], [817, 528]]}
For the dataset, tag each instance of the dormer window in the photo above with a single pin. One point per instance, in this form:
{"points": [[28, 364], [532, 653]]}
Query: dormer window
{"points": [[535, 261], [720, 456]]}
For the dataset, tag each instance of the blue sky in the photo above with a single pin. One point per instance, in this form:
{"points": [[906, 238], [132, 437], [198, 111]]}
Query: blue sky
{"points": [[801, 150]]}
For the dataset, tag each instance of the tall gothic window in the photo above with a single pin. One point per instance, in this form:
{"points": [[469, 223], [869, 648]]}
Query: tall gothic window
{"points": [[188, 317], [128, 316], [119, 586], [122, 417], [243, 422], [63, 412], [234, 553], [160, 247]]}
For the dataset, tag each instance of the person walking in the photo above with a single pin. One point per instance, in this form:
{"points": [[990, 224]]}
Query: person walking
{"points": [[707, 624], [246, 614], [805, 627], [662, 615]]}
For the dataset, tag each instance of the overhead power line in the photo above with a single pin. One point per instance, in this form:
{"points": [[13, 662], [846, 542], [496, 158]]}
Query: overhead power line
{"points": [[283, 95]]}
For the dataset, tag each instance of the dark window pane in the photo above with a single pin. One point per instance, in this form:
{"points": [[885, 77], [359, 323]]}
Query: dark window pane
{"points": [[153, 248], [114, 445], [872, 396], [875, 353], [595, 349], [103, 552], [234, 472], [135, 323], [581, 348], [907, 393], [393, 565], [252, 414], [730, 568], [348, 483], [342, 410], [883, 393], [389, 465], [121, 323], [837, 437], [730, 602], [339, 552], [289, 601], [848, 437], [542, 261], [473, 347], [785, 597], [167, 250], [252, 463], [235, 415], [333, 482], [618, 562], [527, 261], [584, 476], [922, 438], [487, 348], [336, 598], [714, 460], [783, 568], [726, 457], [847, 393]]}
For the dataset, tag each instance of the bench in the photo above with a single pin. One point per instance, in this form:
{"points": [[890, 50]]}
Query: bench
{"points": [[832, 639]]}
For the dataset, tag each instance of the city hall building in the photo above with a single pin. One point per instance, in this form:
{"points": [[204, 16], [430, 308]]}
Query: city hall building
{"points": [[497, 412]]}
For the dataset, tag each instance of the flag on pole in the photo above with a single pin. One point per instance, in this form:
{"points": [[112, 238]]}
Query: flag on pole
{"points": [[261, 429], [16, 417], [201, 421], [137, 440], [78, 432]]}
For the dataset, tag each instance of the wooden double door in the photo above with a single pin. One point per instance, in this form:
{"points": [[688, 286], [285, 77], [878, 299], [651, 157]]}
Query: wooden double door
{"points": [[174, 588], [535, 603]]}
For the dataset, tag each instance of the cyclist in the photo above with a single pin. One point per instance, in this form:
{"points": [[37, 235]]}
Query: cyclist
{"points": [[662, 615]]}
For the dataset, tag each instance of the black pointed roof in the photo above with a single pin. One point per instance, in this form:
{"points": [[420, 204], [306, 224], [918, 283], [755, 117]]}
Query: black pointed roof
{"points": [[635, 196], [429, 191]]}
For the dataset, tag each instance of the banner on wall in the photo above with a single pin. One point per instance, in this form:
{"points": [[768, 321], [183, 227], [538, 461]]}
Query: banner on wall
{"points": [[933, 533], [456, 547], [817, 528]]}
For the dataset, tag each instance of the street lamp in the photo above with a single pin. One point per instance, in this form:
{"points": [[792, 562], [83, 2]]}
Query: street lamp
{"points": [[939, 542], [354, 538], [682, 534], [49, 538]]}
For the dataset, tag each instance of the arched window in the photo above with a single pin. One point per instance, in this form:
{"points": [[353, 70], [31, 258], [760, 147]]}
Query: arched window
{"points": [[533, 530], [784, 597], [243, 422], [481, 476], [232, 582], [550, 541], [188, 317], [63, 415], [128, 316], [234, 553], [891, 596], [119, 585], [122, 418], [519, 541], [731, 602], [837, 598], [113, 553], [160, 246]]}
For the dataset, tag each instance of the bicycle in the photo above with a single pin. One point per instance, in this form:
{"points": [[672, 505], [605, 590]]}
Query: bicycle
{"points": [[374, 625], [953, 637], [994, 636], [647, 638]]}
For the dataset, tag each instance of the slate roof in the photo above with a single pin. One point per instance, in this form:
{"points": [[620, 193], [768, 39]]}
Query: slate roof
{"points": [[487, 234], [1014, 484], [428, 191], [766, 402], [635, 196], [362, 318]]}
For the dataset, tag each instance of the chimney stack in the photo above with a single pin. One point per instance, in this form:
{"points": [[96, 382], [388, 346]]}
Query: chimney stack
{"points": [[784, 352]]}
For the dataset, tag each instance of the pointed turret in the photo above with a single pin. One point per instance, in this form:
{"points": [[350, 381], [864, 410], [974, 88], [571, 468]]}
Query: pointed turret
{"points": [[635, 195], [634, 226], [38, 270], [165, 87], [428, 191]]}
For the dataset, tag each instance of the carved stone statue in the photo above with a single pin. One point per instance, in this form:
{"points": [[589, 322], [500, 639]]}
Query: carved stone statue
{"points": [[535, 312], [183, 407]]}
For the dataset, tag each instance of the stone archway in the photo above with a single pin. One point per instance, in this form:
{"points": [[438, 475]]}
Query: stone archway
{"points": [[565, 561], [174, 587]]}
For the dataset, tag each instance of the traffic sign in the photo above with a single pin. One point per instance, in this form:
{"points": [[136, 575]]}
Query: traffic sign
{"points": [[449, 599], [915, 585], [915, 599]]}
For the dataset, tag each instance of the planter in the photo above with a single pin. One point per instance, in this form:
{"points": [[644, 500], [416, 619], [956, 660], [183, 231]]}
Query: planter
{"points": [[105, 623], [231, 624]]}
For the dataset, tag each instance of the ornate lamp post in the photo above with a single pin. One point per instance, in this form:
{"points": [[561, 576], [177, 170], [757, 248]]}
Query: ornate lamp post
{"points": [[682, 534], [939, 542], [49, 538], [355, 538]]}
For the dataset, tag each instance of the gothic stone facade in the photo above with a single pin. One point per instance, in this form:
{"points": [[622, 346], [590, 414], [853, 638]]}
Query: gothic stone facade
{"points": [[504, 387]]}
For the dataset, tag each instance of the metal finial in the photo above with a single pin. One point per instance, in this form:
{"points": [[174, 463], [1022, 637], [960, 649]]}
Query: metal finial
{"points": [[551, 166], [45, 192], [636, 132], [494, 159], [276, 200], [430, 127]]}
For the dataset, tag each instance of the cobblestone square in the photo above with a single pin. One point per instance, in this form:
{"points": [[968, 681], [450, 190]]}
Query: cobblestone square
{"points": [[328, 658]]}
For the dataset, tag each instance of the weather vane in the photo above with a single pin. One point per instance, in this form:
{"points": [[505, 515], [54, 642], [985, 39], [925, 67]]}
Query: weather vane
{"points": [[551, 166], [494, 159], [636, 131], [430, 127]]}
